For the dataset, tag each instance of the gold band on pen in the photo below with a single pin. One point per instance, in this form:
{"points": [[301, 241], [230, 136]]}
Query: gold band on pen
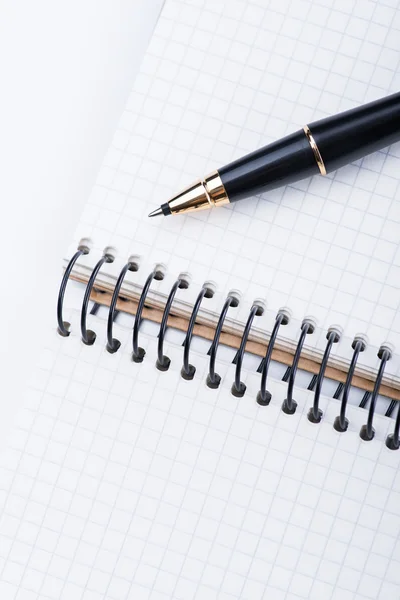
{"points": [[205, 193], [216, 189], [315, 149]]}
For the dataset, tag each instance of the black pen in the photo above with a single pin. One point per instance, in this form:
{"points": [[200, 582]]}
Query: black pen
{"points": [[318, 148]]}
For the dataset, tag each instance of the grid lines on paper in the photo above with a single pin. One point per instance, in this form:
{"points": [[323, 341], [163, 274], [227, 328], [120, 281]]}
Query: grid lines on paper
{"points": [[220, 79], [124, 482]]}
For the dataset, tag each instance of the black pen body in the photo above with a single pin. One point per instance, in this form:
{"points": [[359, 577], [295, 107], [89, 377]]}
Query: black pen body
{"points": [[280, 163], [321, 147]]}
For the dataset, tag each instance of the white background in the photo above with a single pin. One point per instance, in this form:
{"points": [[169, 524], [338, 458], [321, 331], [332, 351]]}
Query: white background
{"points": [[65, 73]]}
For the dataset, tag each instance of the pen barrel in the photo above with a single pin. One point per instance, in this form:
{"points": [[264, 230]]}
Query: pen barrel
{"points": [[322, 147], [280, 163], [350, 135]]}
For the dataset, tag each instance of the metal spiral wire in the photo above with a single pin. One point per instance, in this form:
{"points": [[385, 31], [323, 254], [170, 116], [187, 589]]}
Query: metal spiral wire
{"points": [[63, 326], [315, 413], [188, 370], [289, 405], [238, 388]]}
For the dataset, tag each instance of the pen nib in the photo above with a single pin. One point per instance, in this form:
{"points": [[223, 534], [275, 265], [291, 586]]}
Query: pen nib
{"points": [[156, 212]]}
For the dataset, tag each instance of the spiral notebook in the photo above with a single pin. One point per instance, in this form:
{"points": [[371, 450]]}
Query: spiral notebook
{"points": [[183, 435]]}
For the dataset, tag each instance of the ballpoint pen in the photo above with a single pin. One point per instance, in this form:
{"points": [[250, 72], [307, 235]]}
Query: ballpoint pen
{"points": [[318, 148]]}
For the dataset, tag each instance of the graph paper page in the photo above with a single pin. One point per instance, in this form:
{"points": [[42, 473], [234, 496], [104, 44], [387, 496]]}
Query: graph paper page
{"points": [[123, 482], [221, 79]]}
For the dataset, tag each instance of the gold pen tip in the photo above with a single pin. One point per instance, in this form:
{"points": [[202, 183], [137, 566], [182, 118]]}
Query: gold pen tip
{"points": [[156, 213]]}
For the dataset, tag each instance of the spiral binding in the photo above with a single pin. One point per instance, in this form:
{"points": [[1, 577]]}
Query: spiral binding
{"points": [[341, 423], [264, 396], [315, 413], [189, 370], [163, 361], [63, 326], [138, 353], [89, 336], [238, 387], [213, 380], [289, 405], [113, 344]]}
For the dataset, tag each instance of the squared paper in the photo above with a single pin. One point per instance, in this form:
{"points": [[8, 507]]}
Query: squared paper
{"points": [[124, 482], [221, 79], [121, 482]]}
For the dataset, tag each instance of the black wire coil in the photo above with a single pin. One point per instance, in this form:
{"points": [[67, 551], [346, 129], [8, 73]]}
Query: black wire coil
{"points": [[367, 432], [315, 413], [64, 326], [163, 361], [289, 405], [89, 336], [238, 387], [264, 396], [341, 423], [393, 439], [188, 370], [138, 353], [213, 378], [113, 344]]}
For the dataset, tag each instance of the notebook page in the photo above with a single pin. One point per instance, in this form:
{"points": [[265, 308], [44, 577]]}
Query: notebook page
{"points": [[122, 482], [220, 79]]}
